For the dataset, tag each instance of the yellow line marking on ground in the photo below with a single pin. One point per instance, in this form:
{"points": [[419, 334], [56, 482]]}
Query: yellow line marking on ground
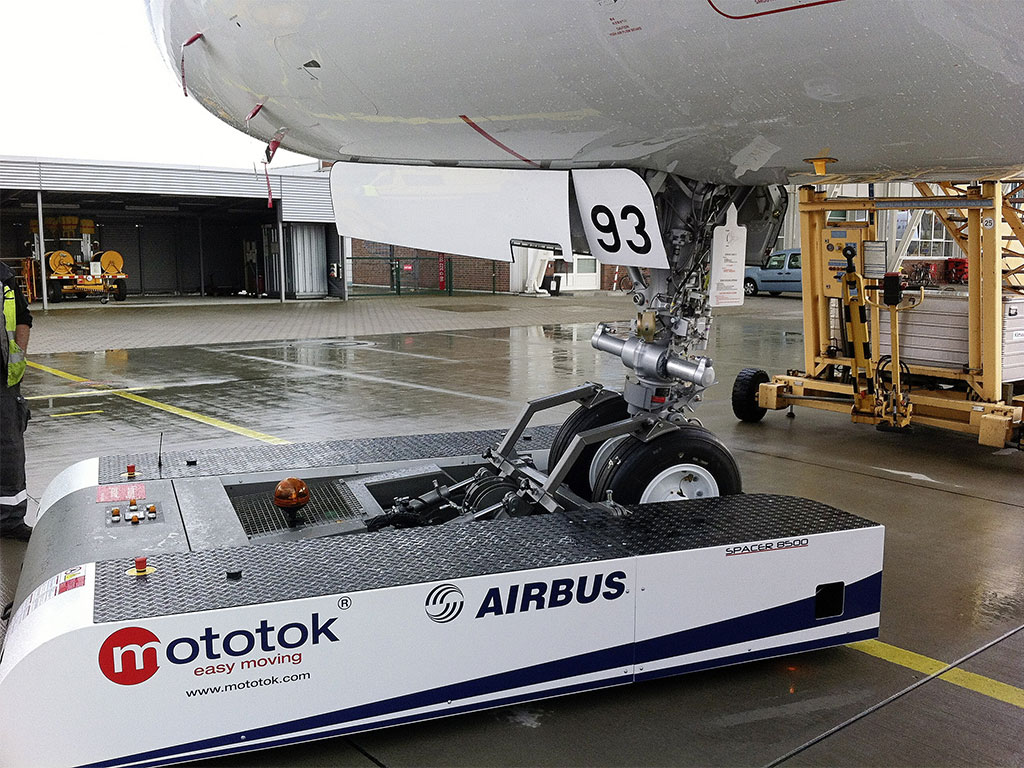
{"points": [[183, 412], [973, 682], [55, 372], [84, 392], [72, 413], [205, 419]]}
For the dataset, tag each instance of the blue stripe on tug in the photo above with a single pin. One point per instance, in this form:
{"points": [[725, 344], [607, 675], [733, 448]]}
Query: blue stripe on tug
{"points": [[863, 598]]}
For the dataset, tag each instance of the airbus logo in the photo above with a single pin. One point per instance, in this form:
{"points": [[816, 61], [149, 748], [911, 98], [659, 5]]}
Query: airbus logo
{"points": [[541, 595], [444, 603]]}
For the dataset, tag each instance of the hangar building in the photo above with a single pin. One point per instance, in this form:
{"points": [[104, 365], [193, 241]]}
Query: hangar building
{"points": [[180, 229], [199, 230]]}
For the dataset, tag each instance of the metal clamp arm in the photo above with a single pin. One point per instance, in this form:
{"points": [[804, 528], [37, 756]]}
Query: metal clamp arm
{"points": [[507, 444]]}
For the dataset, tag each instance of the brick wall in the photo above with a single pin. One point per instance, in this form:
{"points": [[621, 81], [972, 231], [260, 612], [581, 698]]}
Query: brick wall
{"points": [[470, 274], [608, 276], [421, 270]]}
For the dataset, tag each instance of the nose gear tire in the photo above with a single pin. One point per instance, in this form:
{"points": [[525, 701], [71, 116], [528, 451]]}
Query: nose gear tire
{"points": [[700, 462], [580, 420]]}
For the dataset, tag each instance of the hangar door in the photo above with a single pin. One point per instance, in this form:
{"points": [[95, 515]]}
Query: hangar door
{"points": [[150, 253], [305, 260], [124, 238], [307, 247], [158, 250]]}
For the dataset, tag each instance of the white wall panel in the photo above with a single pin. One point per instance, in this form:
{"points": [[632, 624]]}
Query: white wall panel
{"points": [[307, 199], [308, 260]]}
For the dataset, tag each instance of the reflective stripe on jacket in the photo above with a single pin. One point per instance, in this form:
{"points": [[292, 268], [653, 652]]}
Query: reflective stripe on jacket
{"points": [[13, 355]]}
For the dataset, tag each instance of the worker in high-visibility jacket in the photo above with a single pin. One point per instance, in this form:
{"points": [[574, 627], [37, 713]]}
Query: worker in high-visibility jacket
{"points": [[14, 413]]}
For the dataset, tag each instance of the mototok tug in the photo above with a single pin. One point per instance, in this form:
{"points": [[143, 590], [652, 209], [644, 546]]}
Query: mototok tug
{"points": [[200, 603]]}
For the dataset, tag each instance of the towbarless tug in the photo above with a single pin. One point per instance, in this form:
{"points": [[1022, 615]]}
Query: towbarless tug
{"points": [[169, 609]]}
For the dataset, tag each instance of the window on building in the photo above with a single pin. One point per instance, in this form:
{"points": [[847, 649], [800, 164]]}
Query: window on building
{"points": [[933, 240]]}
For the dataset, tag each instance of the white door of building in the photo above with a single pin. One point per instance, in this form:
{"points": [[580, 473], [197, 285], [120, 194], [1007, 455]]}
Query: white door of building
{"points": [[583, 273]]}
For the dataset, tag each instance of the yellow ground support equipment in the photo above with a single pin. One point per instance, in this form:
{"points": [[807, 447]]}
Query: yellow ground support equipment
{"points": [[61, 263], [945, 357], [92, 273]]}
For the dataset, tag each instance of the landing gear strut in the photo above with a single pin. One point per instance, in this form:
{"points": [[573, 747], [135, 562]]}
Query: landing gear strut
{"points": [[637, 446], [663, 350]]}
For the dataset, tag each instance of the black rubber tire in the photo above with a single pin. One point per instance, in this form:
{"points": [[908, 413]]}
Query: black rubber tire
{"points": [[580, 420], [774, 293], [744, 394], [634, 464], [749, 287], [120, 290], [54, 291]]}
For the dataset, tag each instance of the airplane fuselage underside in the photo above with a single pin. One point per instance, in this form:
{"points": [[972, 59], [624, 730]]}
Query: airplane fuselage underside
{"points": [[728, 91]]}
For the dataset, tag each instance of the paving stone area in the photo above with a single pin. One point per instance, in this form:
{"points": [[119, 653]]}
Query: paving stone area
{"points": [[185, 321], [140, 323]]}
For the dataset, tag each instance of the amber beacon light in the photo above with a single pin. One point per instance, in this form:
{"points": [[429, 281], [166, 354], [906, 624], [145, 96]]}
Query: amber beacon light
{"points": [[291, 493]]}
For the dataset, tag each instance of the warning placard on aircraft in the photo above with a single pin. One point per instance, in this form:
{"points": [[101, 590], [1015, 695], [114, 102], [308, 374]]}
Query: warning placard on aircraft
{"points": [[728, 256]]}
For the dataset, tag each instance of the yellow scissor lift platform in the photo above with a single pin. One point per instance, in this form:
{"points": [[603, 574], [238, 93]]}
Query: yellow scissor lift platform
{"points": [[962, 366]]}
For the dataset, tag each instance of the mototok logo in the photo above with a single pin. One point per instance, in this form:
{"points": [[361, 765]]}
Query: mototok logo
{"points": [[132, 655], [444, 603]]}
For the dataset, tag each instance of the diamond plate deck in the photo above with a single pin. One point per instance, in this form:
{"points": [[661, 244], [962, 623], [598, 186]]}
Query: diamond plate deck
{"points": [[196, 581], [680, 525], [269, 458]]}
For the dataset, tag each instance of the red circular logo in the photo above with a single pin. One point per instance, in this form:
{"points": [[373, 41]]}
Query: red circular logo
{"points": [[130, 656]]}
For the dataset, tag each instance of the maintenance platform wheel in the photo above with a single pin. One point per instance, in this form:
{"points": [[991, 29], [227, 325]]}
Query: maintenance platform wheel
{"points": [[749, 287], [689, 463], [580, 420], [744, 394], [54, 291], [120, 290]]}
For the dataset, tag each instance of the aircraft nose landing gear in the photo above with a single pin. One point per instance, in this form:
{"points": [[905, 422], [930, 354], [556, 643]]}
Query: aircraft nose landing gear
{"points": [[668, 456], [600, 454], [637, 446]]}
